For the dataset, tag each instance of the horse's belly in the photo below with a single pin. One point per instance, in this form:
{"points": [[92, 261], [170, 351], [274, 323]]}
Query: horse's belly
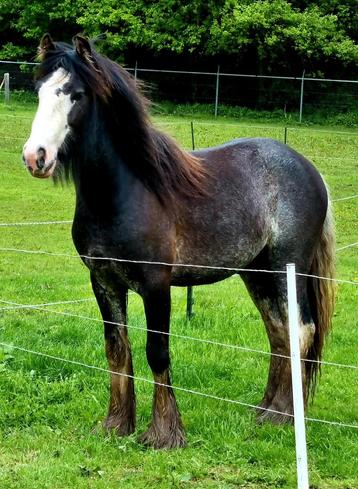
{"points": [[187, 276], [216, 259]]}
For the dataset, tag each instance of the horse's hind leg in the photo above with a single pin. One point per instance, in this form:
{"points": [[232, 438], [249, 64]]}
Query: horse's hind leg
{"points": [[166, 429], [269, 292], [113, 306]]}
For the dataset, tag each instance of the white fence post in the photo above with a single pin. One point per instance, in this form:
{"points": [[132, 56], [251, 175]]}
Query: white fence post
{"points": [[298, 404], [7, 87]]}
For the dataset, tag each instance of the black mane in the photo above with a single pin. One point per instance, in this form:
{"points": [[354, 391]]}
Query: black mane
{"points": [[154, 157]]}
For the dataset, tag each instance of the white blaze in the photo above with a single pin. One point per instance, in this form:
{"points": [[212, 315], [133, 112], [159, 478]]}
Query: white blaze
{"points": [[50, 128]]}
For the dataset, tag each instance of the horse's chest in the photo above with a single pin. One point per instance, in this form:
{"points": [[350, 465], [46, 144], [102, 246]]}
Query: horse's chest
{"points": [[119, 254]]}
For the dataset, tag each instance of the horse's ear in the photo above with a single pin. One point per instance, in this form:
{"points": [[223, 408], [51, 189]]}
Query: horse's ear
{"points": [[46, 45], [83, 47]]}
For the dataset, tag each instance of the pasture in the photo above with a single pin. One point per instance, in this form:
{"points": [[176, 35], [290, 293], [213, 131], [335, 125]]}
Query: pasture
{"points": [[51, 411]]}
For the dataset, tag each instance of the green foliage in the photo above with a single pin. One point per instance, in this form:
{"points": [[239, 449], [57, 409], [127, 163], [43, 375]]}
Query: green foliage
{"points": [[277, 31], [25, 22], [346, 12], [278, 34], [9, 51]]}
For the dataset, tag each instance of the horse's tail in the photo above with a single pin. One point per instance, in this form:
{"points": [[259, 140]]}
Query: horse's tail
{"points": [[322, 294]]}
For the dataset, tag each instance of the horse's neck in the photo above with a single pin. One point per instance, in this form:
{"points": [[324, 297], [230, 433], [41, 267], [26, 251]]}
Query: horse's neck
{"points": [[103, 185]]}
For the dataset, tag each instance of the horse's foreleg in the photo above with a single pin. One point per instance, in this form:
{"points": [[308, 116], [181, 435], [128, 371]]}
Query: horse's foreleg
{"points": [[166, 429], [113, 307]]}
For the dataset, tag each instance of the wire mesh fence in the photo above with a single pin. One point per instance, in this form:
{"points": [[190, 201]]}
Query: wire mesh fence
{"points": [[289, 94]]}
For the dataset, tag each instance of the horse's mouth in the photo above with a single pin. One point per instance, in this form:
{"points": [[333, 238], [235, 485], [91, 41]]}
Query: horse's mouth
{"points": [[44, 172]]}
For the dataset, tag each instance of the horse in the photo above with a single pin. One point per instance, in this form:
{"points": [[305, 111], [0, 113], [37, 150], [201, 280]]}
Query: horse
{"points": [[155, 209]]}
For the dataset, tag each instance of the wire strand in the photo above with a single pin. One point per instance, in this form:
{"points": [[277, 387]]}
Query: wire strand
{"points": [[257, 126], [347, 246], [101, 369], [221, 123], [33, 306], [178, 388], [170, 334], [167, 264], [312, 157], [37, 223], [33, 223], [346, 198]]}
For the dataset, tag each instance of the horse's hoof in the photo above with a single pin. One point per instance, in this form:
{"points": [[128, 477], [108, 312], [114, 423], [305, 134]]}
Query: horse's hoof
{"points": [[119, 426], [165, 441], [272, 414]]}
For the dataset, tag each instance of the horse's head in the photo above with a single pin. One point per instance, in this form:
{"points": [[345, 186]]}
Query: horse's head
{"points": [[92, 113], [63, 104]]}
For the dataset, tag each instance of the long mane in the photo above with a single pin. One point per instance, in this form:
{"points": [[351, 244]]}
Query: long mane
{"points": [[154, 157]]}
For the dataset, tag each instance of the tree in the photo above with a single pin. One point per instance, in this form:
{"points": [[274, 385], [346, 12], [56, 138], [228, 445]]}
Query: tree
{"points": [[24, 22], [280, 35]]}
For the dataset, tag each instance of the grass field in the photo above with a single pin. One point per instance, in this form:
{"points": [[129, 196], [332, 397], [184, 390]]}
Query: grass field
{"points": [[49, 409]]}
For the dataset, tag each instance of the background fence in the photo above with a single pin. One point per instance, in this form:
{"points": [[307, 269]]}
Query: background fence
{"points": [[289, 94]]}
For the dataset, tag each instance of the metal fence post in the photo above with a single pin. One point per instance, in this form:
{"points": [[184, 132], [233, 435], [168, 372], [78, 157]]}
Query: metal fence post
{"points": [[192, 135], [189, 290], [301, 96], [135, 71], [7, 87], [217, 91], [189, 302], [296, 374]]}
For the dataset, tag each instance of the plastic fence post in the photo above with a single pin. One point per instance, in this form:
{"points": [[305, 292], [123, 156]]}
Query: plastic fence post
{"points": [[298, 404], [189, 292]]}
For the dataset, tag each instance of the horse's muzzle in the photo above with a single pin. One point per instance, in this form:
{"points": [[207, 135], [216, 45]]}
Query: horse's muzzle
{"points": [[37, 163]]}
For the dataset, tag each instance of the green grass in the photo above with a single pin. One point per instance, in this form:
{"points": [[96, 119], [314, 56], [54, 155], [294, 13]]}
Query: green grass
{"points": [[48, 409]]}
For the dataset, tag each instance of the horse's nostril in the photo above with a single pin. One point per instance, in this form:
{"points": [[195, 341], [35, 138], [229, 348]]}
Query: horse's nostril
{"points": [[40, 161]]}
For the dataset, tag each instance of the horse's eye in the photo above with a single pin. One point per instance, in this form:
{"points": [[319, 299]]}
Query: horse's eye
{"points": [[77, 96]]}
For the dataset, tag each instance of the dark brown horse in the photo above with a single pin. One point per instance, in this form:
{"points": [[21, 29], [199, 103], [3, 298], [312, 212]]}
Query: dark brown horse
{"points": [[251, 203]]}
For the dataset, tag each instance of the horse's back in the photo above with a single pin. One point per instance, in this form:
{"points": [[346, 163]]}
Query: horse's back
{"points": [[255, 156], [270, 171]]}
